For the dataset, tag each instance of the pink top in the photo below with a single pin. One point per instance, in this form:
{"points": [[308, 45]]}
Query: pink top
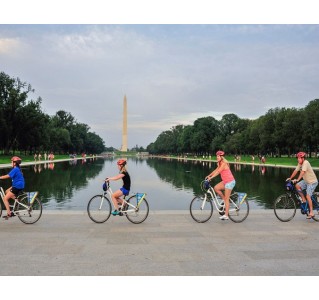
{"points": [[226, 176]]}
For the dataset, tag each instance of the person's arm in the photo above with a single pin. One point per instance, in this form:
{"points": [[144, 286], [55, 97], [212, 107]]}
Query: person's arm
{"points": [[115, 177], [5, 177], [294, 173], [216, 172], [300, 176]]}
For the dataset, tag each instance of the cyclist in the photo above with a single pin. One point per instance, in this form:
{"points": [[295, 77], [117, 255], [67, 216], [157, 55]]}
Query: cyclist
{"points": [[17, 184], [124, 190], [228, 181], [309, 182]]}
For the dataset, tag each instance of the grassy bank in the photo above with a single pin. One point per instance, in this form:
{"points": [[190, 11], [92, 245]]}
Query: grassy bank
{"points": [[5, 159], [280, 161]]}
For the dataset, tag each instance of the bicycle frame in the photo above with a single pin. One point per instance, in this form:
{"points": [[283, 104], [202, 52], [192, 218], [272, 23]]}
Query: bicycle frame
{"points": [[140, 197], [16, 200], [219, 202]]}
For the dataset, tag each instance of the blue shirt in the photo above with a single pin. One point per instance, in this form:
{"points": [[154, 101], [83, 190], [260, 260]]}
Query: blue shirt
{"points": [[17, 178]]}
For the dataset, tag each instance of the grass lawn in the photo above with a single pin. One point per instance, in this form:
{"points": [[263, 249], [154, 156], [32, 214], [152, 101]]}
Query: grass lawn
{"points": [[5, 159], [285, 161]]}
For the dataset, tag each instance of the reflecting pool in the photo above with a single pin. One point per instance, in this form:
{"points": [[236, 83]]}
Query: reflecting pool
{"points": [[170, 184]]}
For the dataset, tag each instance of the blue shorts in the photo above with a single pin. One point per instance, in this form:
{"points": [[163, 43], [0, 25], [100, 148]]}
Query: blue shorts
{"points": [[124, 191], [230, 185], [310, 188]]}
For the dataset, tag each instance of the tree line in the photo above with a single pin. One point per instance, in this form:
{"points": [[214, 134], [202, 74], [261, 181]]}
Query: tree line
{"points": [[281, 131], [26, 128]]}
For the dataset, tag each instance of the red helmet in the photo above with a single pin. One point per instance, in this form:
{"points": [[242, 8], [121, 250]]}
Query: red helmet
{"points": [[301, 154], [16, 159], [121, 162], [220, 153]]}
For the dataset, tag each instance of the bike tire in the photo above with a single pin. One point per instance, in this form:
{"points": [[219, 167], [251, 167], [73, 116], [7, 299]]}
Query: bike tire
{"points": [[285, 208], [134, 214], [238, 212], [29, 213], [316, 207], [200, 212], [99, 209]]}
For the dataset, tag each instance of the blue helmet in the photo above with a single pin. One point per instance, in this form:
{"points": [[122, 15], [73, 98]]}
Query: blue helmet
{"points": [[105, 187]]}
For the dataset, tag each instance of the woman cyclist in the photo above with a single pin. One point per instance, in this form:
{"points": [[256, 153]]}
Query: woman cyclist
{"points": [[124, 190], [309, 182], [17, 184], [228, 181]]}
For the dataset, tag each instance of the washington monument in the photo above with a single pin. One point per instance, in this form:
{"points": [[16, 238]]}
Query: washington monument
{"points": [[124, 132]]}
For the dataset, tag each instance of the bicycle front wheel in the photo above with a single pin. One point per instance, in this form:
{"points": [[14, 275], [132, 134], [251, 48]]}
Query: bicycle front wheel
{"points": [[285, 208], [29, 213], [136, 212], [201, 210], [99, 209], [238, 210]]}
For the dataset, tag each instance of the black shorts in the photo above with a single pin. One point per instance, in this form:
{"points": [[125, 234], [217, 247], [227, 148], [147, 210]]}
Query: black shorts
{"points": [[16, 191]]}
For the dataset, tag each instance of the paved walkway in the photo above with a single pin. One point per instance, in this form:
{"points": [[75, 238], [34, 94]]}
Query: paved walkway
{"points": [[167, 243]]}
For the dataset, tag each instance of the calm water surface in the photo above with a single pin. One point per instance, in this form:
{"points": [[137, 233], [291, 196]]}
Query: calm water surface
{"points": [[169, 184]]}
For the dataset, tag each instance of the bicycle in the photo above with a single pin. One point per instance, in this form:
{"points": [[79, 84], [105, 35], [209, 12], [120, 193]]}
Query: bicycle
{"points": [[285, 205], [201, 207], [27, 207], [135, 209]]}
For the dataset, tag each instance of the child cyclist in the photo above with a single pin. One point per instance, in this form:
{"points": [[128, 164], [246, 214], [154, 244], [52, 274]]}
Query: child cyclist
{"points": [[124, 190], [17, 184], [228, 181]]}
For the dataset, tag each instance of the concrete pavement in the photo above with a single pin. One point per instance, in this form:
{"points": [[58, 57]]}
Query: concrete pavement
{"points": [[167, 243]]}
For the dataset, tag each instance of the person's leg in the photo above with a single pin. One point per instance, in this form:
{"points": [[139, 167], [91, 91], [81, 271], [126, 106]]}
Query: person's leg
{"points": [[116, 199], [219, 188], [300, 186], [226, 200], [6, 199], [310, 190]]}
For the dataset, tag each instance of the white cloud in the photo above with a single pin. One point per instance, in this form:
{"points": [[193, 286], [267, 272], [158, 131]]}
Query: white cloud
{"points": [[170, 74]]}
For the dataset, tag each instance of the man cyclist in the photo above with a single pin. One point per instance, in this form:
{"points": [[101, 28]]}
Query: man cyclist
{"points": [[309, 182]]}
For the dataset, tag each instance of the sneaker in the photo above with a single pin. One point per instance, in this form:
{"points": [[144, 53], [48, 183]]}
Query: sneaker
{"points": [[224, 217], [115, 213]]}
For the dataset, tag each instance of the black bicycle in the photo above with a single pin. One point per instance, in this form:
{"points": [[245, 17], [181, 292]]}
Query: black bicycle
{"points": [[285, 206]]}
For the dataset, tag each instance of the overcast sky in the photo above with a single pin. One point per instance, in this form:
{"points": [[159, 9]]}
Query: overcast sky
{"points": [[170, 74]]}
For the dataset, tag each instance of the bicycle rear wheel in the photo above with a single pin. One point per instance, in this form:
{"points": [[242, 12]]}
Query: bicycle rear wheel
{"points": [[238, 210], [200, 209], [29, 213], [99, 208], [315, 204], [285, 208], [136, 214]]}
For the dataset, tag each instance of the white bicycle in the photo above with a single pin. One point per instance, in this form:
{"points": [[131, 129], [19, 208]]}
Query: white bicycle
{"points": [[135, 208], [201, 208], [26, 206]]}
